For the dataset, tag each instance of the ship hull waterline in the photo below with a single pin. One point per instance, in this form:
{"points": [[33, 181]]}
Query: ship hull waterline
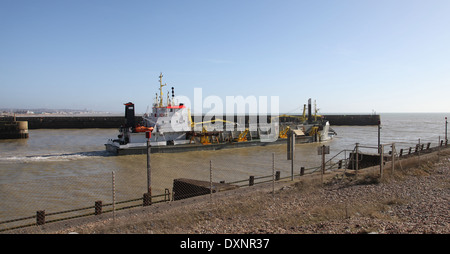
{"points": [[117, 150]]}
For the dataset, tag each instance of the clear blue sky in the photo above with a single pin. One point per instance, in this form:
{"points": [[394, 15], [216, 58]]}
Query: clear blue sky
{"points": [[350, 56]]}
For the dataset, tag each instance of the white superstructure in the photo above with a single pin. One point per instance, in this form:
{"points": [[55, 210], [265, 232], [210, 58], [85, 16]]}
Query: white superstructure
{"points": [[168, 124]]}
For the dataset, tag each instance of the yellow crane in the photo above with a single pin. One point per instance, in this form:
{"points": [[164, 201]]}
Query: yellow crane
{"points": [[284, 133], [204, 139], [314, 130], [242, 137], [211, 121], [303, 117]]}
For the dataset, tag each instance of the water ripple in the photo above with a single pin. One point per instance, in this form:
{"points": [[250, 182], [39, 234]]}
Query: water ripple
{"points": [[54, 157]]}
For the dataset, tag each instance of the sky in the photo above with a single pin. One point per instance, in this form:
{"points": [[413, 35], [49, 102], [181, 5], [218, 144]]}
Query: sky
{"points": [[349, 56]]}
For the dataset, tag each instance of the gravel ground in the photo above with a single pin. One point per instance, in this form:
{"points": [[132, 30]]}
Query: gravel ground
{"points": [[412, 200]]}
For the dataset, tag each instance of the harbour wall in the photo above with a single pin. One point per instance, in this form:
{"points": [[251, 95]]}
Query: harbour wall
{"points": [[353, 119], [82, 122], [13, 129], [72, 122]]}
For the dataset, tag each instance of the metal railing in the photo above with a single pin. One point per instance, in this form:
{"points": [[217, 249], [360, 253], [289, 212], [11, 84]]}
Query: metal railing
{"points": [[331, 164]]}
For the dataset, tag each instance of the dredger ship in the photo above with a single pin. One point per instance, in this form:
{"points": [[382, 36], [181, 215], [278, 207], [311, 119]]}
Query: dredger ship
{"points": [[170, 128]]}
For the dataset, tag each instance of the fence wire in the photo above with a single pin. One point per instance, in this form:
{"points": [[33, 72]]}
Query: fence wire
{"points": [[50, 200]]}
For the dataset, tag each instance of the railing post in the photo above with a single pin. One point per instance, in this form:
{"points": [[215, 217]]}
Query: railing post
{"points": [[149, 167], [446, 123], [114, 195], [98, 207], [40, 217], [393, 157], [147, 199], [381, 160], [273, 175], [210, 181], [418, 148], [439, 147], [251, 181], [166, 195], [357, 157]]}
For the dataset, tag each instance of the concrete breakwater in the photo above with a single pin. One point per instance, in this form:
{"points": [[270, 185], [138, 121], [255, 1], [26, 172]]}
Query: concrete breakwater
{"points": [[353, 119], [82, 122], [13, 129], [72, 122]]}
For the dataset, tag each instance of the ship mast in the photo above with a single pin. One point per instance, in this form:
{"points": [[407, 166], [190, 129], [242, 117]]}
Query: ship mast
{"points": [[160, 90]]}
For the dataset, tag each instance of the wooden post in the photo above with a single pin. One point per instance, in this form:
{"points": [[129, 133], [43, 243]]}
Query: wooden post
{"points": [[114, 195], [273, 175], [210, 181], [322, 151], [98, 207], [40, 217], [379, 136], [393, 157], [381, 160], [357, 157], [323, 167], [166, 194], [323, 159], [277, 175], [302, 171], [147, 199], [251, 181], [439, 148], [149, 169], [289, 147], [419, 151], [446, 123], [292, 156]]}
